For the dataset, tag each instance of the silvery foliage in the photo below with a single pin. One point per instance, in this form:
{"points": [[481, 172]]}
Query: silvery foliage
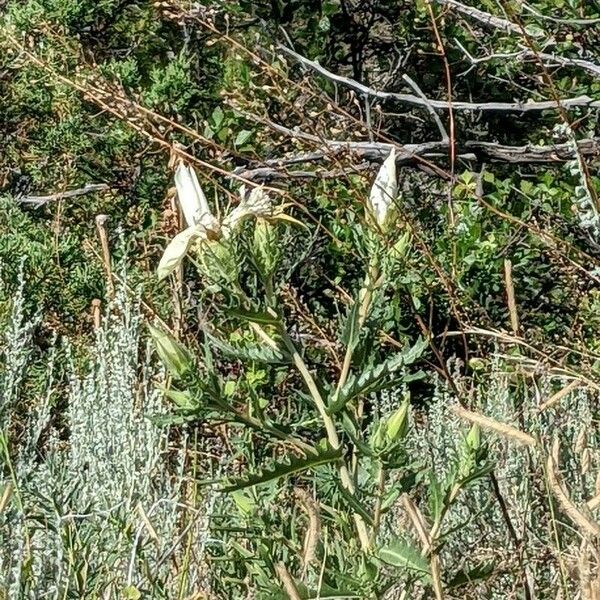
{"points": [[74, 524], [583, 199], [475, 526]]}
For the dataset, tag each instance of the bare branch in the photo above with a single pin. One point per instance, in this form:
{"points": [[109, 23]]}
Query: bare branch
{"points": [[434, 115], [539, 15], [409, 155], [518, 107], [525, 53], [88, 188], [483, 17]]}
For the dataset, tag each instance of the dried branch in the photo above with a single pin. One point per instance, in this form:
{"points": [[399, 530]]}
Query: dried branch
{"points": [[89, 188], [482, 16], [526, 53], [409, 155], [517, 107]]}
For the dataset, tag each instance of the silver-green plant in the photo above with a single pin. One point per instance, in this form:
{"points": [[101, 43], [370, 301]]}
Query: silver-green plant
{"points": [[105, 512]]}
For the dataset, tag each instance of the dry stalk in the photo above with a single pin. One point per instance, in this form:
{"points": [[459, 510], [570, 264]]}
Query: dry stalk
{"points": [[418, 522], [587, 526], [96, 313], [100, 225], [506, 431], [313, 532], [510, 296], [556, 398], [287, 582]]}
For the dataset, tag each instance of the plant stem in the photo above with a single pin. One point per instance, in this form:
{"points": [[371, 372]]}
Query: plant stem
{"points": [[332, 435]]}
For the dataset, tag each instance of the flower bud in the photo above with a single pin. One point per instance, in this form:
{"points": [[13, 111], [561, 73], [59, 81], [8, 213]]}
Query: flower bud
{"points": [[384, 191], [190, 195], [397, 423], [173, 355]]}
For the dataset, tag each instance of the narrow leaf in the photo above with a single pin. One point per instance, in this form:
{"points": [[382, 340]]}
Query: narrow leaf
{"points": [[322, 455], [376, 378], [402, 553]]}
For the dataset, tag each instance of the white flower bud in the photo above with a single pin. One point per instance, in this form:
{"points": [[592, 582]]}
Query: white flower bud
{"points": [[384, 190], [190, 195]]}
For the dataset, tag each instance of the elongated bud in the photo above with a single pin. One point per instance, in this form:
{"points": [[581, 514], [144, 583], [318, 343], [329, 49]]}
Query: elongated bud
{"points": [[190, 195], [174, 355], [384, 191], [265, 246], [397, 424], [473, 440]]}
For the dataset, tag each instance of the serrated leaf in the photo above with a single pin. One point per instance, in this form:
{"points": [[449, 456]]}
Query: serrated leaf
{"points": [[183, 399], [376, 378], [323, 454], [402, 553], [174, 419], [250, 352]]}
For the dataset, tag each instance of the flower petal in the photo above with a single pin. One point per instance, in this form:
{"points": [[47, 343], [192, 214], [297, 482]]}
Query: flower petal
{"points": [[190, 195], [384, 190], [177, 249]]}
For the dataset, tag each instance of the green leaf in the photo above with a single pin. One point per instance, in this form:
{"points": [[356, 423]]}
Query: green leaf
{"points": [[376, 378], [480, 472], [251, 352], [402, 553], [351, 332], [356, 506], [181, 399], [323, 454], [131, 593], [242, 137], [479, 573], [255, 316]]}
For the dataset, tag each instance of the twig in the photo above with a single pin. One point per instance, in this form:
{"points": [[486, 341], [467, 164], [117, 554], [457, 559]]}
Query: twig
{"points": [[518, 107], [556, 398], [436, 118], [510, 296], [525, 53], [409, 155], [502, 429], [88, 188], [100, 225], [586, 525], [539, 15], [482, 16]]}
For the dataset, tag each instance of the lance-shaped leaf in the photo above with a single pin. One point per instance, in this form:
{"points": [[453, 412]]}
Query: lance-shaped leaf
{"points": [[250, 352], [323, 454], [376, 378], [178, 248], [172, 353], [402, 553], [384, 190]]}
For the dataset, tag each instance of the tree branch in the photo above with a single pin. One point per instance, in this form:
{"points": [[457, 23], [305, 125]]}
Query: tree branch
{"points": [[88, 188], [516, 107], [408, 155]]}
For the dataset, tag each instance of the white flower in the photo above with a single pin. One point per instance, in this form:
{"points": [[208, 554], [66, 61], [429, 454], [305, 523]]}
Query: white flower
{"points": [[178, 248], [384, 190], [258, 205], [190, 195]]}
